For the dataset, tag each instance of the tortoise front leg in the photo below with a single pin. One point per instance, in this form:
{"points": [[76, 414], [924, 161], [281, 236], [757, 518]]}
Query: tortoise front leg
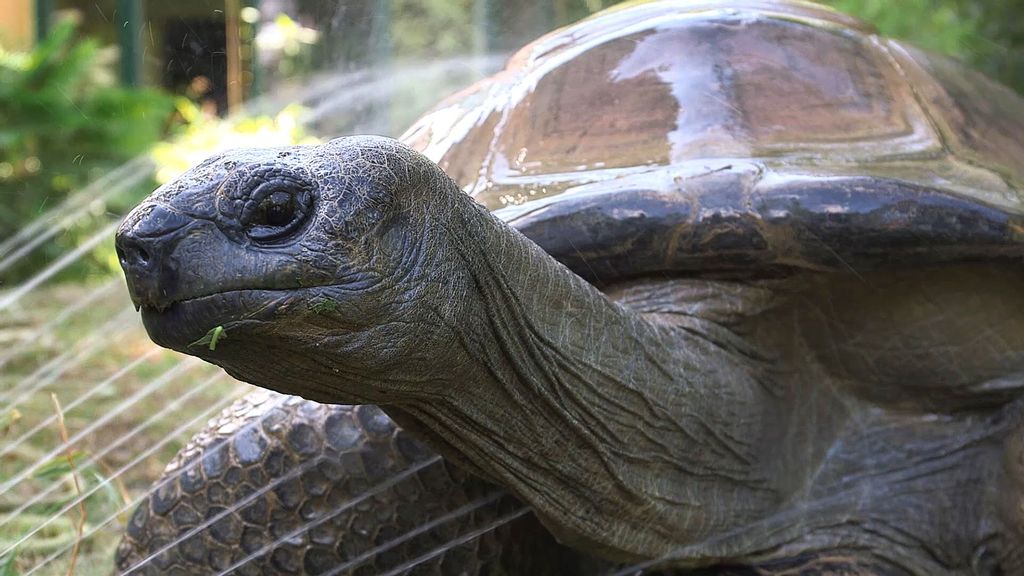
{"points": [[281, 485]]}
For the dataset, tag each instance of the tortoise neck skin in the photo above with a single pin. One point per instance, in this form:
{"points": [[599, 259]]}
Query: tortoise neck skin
{"points": [[625, 434]]}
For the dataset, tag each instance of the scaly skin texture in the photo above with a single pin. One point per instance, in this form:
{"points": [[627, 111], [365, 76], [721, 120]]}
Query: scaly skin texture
{"points": [[699, 422], [238, 498]]}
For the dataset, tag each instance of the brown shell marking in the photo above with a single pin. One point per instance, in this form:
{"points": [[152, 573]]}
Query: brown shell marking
{"points": [[860, 148]]}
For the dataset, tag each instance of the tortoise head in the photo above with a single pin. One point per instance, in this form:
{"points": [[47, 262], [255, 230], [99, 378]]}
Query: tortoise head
{"points": [[255, 259]]}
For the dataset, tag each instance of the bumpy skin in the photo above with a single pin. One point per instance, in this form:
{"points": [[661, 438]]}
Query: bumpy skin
{"points": [[240, 496], [807, 349]]}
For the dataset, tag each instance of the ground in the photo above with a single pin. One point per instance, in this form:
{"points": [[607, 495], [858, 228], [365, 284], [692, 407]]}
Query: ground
{"points": [[114, 415]]}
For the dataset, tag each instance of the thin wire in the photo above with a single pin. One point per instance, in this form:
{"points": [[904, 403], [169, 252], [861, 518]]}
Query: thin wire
{"points": [[46, 422], [34, 241], [182, 366], [107, 449], [107, 233], [54, 367], [458, 541], [422, 529], [75, 205], [354, 95], [399, 477], [69, 311], [184, 427]]}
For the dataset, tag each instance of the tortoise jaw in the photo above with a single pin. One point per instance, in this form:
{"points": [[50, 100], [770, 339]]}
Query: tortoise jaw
{"points": [[175, 325], [184, 324]]}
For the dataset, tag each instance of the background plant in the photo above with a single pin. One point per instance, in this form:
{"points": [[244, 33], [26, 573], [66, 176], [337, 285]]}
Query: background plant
{"points": [[64, 123], [986, 34]]}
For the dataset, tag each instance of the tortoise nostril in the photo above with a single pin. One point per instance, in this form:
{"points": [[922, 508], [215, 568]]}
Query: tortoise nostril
{"points": [[145, 243], [132, 253]]}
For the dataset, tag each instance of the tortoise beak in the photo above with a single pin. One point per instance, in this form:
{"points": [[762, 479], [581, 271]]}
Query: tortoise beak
{"points": [[144, 243]]}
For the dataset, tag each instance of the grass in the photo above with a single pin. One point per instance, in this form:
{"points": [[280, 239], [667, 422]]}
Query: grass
{"points": [[105, 364]]}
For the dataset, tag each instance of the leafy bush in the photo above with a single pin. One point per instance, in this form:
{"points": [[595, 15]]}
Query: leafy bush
{"points": [[63, 123], [204, 136], [986, 34], [72, 131]]}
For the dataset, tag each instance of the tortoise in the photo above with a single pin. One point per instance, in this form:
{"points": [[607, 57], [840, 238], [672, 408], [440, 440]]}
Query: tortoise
{"points": [[715, 288]]}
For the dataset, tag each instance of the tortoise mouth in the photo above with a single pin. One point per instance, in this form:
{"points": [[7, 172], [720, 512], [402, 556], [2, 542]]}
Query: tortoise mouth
{"points": [[185, 325]]}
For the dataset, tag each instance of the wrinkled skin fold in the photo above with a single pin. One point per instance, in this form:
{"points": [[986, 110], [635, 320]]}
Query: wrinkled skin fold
{"points": [[697, 421]]}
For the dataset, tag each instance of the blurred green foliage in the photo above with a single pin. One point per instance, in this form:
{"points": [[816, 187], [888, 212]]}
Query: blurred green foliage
{"points": [[432, 28], [203, 136], [986, 34], [424, 29], [63, 123]]}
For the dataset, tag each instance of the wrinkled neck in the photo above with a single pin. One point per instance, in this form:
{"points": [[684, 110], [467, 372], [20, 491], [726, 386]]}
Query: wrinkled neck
{"points": [[620, 429]]}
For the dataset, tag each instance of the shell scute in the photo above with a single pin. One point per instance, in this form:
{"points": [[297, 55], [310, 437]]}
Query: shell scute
{"points": [[818, 145]]}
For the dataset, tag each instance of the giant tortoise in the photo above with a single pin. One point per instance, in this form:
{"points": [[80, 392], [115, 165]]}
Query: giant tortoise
{"points": [[699, 287]]}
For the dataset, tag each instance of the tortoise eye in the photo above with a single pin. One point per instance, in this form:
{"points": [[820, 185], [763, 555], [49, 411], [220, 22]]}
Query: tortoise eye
{"points": [[277, 211]]}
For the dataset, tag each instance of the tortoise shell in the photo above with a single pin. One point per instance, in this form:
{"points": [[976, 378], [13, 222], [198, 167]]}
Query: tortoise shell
{"points": [[677, 137]]}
